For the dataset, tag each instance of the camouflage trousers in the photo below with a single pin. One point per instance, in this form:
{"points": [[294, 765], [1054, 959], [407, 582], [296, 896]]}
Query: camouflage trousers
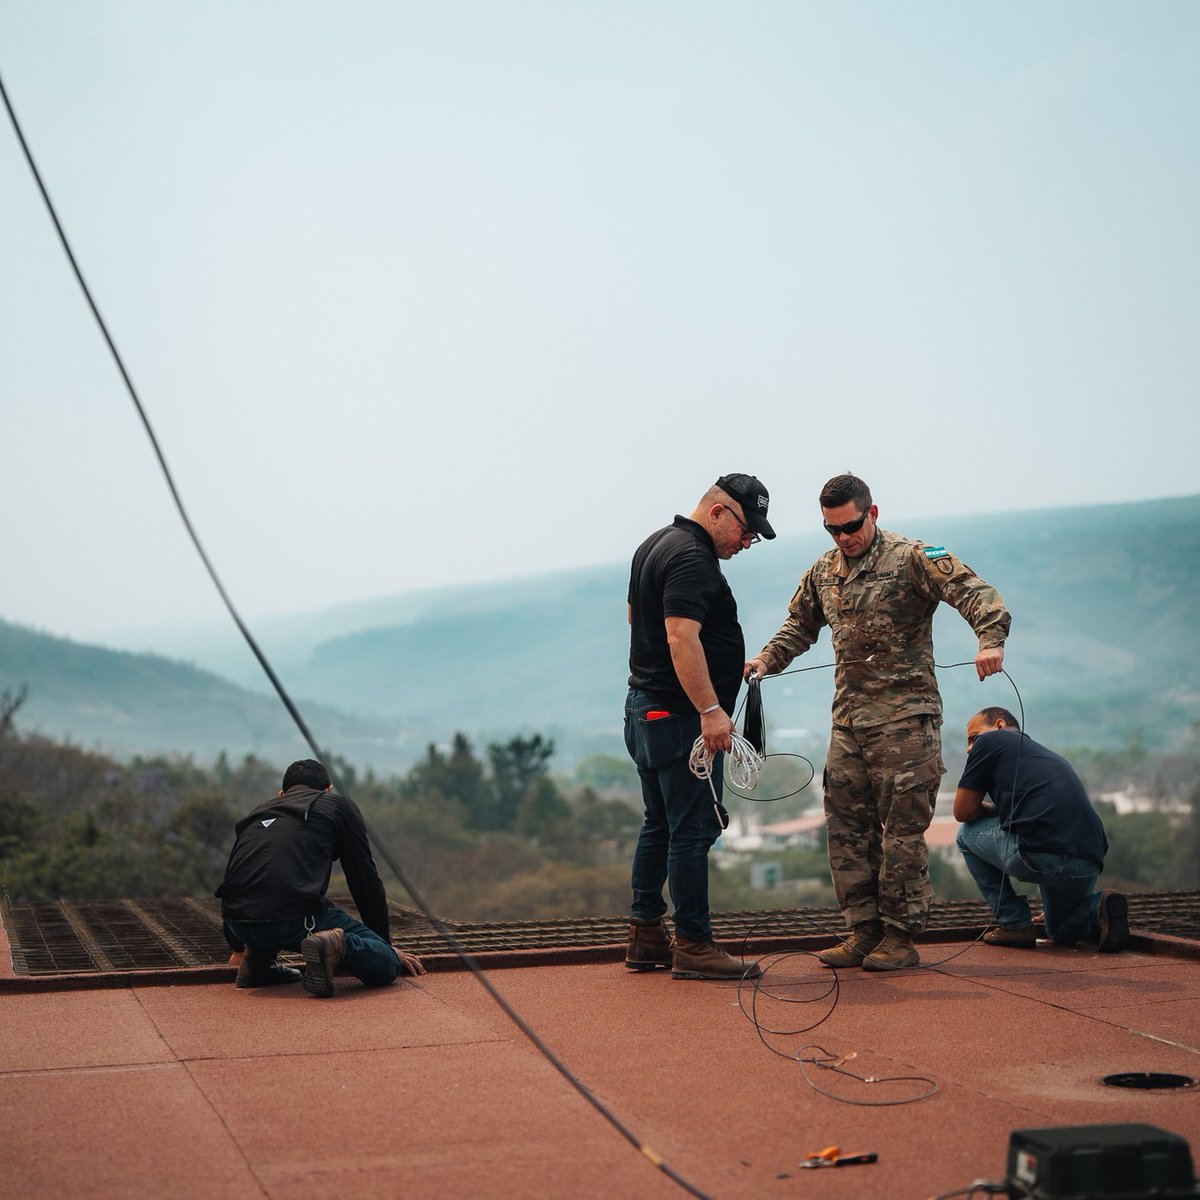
{"points": [[881, 784]]}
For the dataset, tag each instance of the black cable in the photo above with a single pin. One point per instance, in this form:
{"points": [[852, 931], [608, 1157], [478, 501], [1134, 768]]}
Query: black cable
{"points": [[759, 984], [812, 774], [752, 723], [833, 1063], [446, 935], [942, 667]]}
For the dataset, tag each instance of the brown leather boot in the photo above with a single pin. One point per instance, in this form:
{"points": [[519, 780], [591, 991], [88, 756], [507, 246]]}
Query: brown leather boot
{"points": [[895, 951], [322, 952], [651, 944], [259, 969], [850, 952], [704, 960], [1011, 935]]}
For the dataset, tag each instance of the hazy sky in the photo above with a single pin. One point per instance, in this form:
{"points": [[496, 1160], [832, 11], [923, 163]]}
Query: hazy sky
{"points": [[427, 293]]}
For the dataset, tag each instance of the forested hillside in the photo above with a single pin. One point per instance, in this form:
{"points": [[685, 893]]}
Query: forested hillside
{"points": [[494, 833], [1103, 650]]}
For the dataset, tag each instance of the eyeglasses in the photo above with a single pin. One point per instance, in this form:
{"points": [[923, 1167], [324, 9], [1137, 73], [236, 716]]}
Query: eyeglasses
{"points": [[747, 532], [847, 527]]}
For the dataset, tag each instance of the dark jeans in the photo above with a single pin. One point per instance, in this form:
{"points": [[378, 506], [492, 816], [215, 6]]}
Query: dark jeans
{"points": [[1070, 903], [366, 955], [679, 824]]}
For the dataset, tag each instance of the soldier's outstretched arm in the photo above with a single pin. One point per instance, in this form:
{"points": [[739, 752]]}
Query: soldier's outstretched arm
{"points": [[942, 576]]}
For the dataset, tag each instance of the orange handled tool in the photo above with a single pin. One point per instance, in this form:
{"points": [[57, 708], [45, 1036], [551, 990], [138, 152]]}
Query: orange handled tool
{"points": [[832, 1157]]}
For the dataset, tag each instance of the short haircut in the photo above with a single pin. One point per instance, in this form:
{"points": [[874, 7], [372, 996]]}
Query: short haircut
{"points": [[307, 772], [846, 489], [992, 715]]}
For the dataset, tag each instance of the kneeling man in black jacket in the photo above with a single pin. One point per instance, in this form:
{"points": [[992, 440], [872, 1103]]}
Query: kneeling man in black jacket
{"points": [[273, 893]]}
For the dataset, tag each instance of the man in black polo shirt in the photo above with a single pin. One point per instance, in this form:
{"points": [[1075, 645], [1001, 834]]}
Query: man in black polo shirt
{"points": [[686, 654], [1040, 828]]}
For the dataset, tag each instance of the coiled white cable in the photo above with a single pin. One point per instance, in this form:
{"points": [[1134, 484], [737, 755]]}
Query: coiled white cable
{"points": [[742, 769]]}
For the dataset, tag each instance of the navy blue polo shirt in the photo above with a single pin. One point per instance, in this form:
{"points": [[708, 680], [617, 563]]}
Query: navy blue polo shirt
{"points": [[1051, 813]]}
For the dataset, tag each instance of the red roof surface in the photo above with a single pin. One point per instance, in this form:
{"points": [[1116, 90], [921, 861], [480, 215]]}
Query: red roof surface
{"points": [[426, 1089]]}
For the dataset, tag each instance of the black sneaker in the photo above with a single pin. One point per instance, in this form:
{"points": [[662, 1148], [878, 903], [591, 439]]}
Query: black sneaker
{"points": [[1114, 922]]}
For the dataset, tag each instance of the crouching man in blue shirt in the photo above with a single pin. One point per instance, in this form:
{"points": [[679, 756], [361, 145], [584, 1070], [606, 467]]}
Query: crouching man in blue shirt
{"points": [[1039, 827]]}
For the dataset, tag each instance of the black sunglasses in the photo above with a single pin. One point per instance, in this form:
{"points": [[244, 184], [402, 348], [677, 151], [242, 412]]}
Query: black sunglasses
{"points": [[848, 527]]}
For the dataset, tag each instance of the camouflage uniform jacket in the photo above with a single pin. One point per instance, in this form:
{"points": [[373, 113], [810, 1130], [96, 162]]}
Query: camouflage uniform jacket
{"points": [[880, 607]]}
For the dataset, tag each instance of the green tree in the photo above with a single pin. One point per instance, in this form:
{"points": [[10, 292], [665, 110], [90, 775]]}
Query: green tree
{"points": [[1186, 873], [608, 773], [1140, 847], [516, 766], [457, 778], [543, 815]]}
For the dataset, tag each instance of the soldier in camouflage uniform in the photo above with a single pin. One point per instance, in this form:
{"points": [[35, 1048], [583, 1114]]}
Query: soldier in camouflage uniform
{"points": [[877, 592]]}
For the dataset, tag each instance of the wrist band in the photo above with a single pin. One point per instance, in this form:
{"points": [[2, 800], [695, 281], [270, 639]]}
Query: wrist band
{"points": [[711, 708]]}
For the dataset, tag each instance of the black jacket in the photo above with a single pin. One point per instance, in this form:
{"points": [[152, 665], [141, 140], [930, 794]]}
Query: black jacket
{"points": [[283, 855]]}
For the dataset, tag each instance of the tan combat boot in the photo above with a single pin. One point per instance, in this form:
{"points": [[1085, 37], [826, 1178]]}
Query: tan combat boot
{"points": [[651, 944], [895, 951], [851, 952], [703, 960]]}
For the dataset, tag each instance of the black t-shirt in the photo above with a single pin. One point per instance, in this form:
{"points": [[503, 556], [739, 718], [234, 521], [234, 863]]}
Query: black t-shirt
{"points": [[1052, 813], [676, 573]]}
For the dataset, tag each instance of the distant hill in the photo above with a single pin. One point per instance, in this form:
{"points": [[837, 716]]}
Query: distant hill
{"points": [[142, 704], [1104, 642]]}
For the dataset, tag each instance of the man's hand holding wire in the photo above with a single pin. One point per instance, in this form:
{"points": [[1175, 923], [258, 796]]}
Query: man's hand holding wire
{"points": [[716, 729], [989, 662], [755, 666]]}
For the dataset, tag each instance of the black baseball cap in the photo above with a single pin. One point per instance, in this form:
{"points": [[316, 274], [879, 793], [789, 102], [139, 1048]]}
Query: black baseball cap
{"points": [[753, 498]]}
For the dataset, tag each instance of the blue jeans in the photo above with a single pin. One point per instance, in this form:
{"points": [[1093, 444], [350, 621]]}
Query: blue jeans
{"points": [[365, 954], [679, 825], [1070, 903]]}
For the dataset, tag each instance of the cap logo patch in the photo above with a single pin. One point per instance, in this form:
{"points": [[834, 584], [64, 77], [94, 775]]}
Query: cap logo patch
{"points": [[269, 822], [762, 502]]}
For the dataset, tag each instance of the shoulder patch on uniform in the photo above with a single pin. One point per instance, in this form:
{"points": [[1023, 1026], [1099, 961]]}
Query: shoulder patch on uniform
{"points": [[932, 552]]}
